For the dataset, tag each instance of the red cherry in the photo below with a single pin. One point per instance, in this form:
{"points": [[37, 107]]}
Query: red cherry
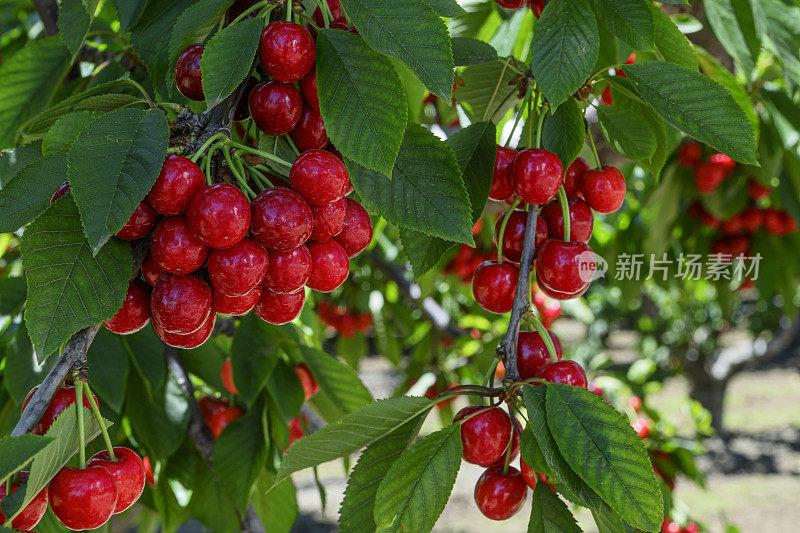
{"points": [[772, 221], [218, 414], [329, 266], [288, 271], [528, 475], [178, 182], [581, 220], [512, 4], [728, 164], [641, 427], [501, 461], [604, 190], [573, 178], [308, 88], [733, 225], [336, 12], [328, 220], [499, 496], [309, 134], [310, 385], [191, 340], [708, 176], [180, 304], [494, 285], [141, 223], [61, 191], [135, 311], [514, 236], [691, 528], [27, 519], [62, 399], [239, 7], [278, 308], [82, 498], [127, 471], [150, 270], [296, 429], [532, 354], [486, 435], [758, 191], [281, 219], [175, 248], [319, 177], [537, 175], [605, 96], [148, 472], [275, 107], [752, 218], [689, 154], [566, 372], [237, 270], [668, 526], [502, 187], [789, 223], [709, 220], [188, 76], [236, 305], [636, 403], [286, 51], [226, 375], [564, 268], [357, 232], [219, 215]]}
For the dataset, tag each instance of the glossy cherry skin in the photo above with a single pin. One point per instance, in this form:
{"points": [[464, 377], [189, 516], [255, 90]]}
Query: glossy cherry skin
{"points": [[512, 4], [708, 176], [239, 7], [289, 271], [63, 189], [357, 232], [537, 174], [175, 247], [188, 76], [308, 88], [127, 471], [32, 513], [218, 414], [275, 107], [581, 220], [515, 436], [141, 223], [604, 190], [135, 311], [286, 51], [150, 269], [573, 177], [532, 354], [328, 220], [82, 498], [502, 187], [485, 436], [226, 376], [493, 286], [190, 340], [180, 304], [528, 475], [562, 267], [278, 308], [281, 219], [336, 12], [499, 496], [310, 134], [319, 176], [236, 271], [689, 154], [310, 385], [62, 399], [176, 185], [219, 215], [236, 305], [329, 265], [566, 372], [514, 235]]}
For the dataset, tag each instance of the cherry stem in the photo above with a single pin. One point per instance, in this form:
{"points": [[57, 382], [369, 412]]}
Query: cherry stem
{"points": [[254, 151], [594, 150], [511, 441], [99, 417], [259, 176], [542, 114], [209, 142], [288, 10], [548, 342], [326, 15], [235, 171], [519, 116], [488, 379], [291, 143], [79, 411], [502, 103], [142, 90], [511, 208], [255, 7], [8, 485], [562, 199]]}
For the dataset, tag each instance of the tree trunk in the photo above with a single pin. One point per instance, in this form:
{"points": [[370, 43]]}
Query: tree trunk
{"points": [[707, 390]]}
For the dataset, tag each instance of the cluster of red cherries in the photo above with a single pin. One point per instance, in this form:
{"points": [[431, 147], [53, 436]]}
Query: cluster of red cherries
{"points": [[342, 320], [537, 6]]}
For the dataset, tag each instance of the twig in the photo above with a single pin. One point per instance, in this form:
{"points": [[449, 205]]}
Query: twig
{"points": [[48, 12]]}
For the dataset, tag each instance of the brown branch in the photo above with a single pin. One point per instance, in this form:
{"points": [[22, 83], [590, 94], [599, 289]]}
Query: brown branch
{"points": [[48, 12]]}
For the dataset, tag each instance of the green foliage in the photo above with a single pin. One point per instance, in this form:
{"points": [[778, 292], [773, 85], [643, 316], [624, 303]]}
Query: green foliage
{"points": [[564, 131], [73, 22], [253, 356], [483, 88], [630, 20], [341, 390], [108, 368], [670, 42], [469, 51], [194, 25], [20, 451], [626, 132], [150, 36], [730, 30], [227, 59], [239, 456], [28, 194], [549, 514], [65, 130]]}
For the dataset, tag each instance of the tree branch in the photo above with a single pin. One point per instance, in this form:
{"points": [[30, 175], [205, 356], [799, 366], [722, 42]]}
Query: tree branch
{"points": [[48, 12]]}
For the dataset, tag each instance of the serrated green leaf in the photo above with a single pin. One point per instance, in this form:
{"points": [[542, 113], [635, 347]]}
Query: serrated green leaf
{"points": [[670, 42], [158, 421], [150, 37], [340, 386], [416, 488], [73, 23], [484, 87], [602, 447], [610, 522], [14, 160], [194, 25], [13, 291], [469, 51], [28, 193], [426, 192], [781, 22], [108, 368], [427, 51], [532, 454], [630, 20], [360, 91], [239, 455], [696, 105], [626, 132], [423, 251], [113, 165], [723, 20], [147, 354], [549, 514], [563, 131], [446, 8], [128, 12], [66, 129], [210, 505], [475, 151], [253, 355], [227, 59], [565, 47], [656, 161], [69, 288], [277, 508], [277, 146], [19, 451]]}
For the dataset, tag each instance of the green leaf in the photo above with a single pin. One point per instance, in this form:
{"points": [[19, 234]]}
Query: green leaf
{"points": [[147, 353], [128, 12], [532, 454], [356, 512], [194, 25], [427, 51], [564, 130], [150, 36], [239, 456], [22, 371], [724, 22], [696, 105], [565, 47], [210, 504], [782, 26], [549, 514], [670, 42], [602, 447], [158, 421], [113, 165], [626, 132], [227, 59], [426, 192], [416, 488], [610, 522], [253, 355], [73, 23], [475, 151], [656, 124], [446, 8], [13, 291], [469, 51], [12, 161], [27, 82], [361, 428], [69, 288], [339, 384], [28, 193], [359, 90], [277, 508], [484, 87], [66, 129], [630, 20], [19, 451], [108, 368], [423, 251]]}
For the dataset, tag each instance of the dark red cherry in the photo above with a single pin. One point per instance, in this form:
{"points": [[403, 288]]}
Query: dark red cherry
{"points": [[336, 11], [310, 131], [502, 187], [236, 305], [515, 436], [239, 7], [128, 472], [178, 182], [278, 308], [141, 223], [175, 248], [566, 372], [150, 270], [512, 4], [237, 270], [537, 174], [772, 221], [310, 385], [357, 232], [757, 191], [514, 236], [288, 271], [61, 191], [499, 496], [532, 353], [82, 498], [219, 215], [188, 76], [180, 304], [494, 285], [286, 51], [62, 399], [708, 176], [27, 519], [308, 88], [218, 413], [329, 265], [190, 340], [319, 177], [275, 107], [135, 311], [604, 190], [486, 435], [581, 220], [565, 268], [328, 220], [689, 154], [528, 475], [281, 219], [573, 177]]}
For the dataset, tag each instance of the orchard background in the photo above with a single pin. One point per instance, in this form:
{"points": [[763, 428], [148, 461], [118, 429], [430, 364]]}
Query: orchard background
{"points": [[210, 274]]}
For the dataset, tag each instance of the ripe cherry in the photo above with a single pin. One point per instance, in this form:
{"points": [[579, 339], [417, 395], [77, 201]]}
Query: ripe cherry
{"points": [[135, 311], [239, 7], [328, 220], [486, 435], [581, 220], [514, 235], [278, 308], [237, 270], [502, 187], [309, 134], [27, 519], [537, 175], [82, 498], [281, 219], [336, 12], [566, 372], [310, 385], [319, 177], [573, 177], [286, 51], [178, 182], [758, 191], [236, 305], [493, 286], [275, 107], [127, 471], [180, 304], [188, 76], [515, 436], [752, 218], [772, 221], [528, 475], [708, 176], [689, 154], [357, 232], [190, 340], [499, 496], [226, 375], [288, 271], [642, 427], [308, 88], [175, 247], [150, 270], [219, 215], [141, 223], [512, 4], [62, 399], [728, 164], [532, 354], [564, 268], [61, 191], [218, 413], [604, 190], [329, 266], [733, 225], [296, 429]]}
